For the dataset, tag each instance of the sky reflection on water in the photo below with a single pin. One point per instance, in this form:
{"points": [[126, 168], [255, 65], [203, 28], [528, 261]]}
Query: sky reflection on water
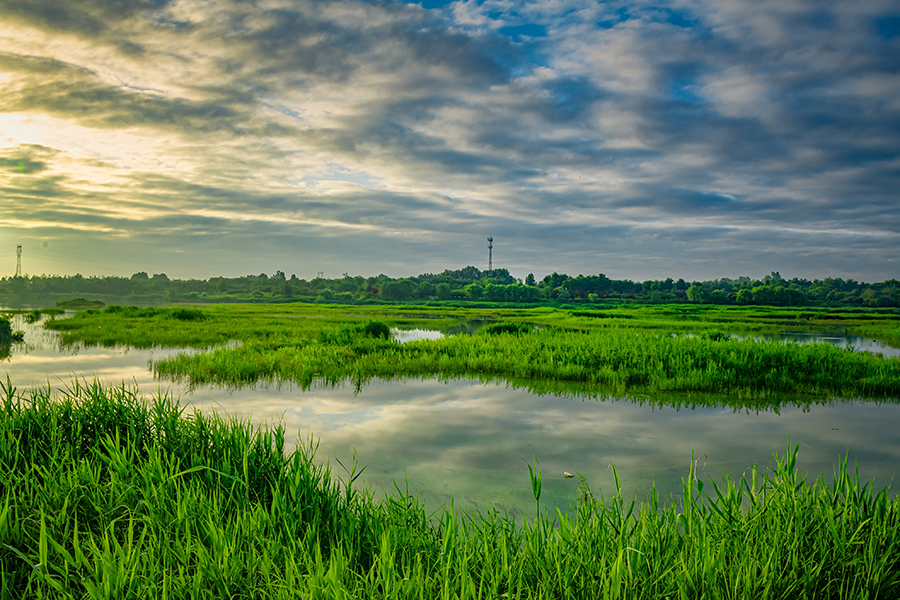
{"points": [[470, 441]]}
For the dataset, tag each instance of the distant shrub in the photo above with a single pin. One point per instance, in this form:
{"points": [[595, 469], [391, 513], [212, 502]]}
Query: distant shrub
{"points": [[507, 327], [376, 329], [349, 334], [715, 336], [133, 312], [598, 315], [188, 314]]}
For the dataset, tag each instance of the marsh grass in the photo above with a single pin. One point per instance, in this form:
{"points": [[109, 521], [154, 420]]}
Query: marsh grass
{"points": [[629, 350], [106, 495], [617, 360]]}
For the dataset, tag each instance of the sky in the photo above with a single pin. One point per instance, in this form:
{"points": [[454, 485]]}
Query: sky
{"points": [[691, 138]]}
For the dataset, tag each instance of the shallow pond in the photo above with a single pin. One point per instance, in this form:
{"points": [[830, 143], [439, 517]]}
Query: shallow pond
{"points": [[471, 441]]}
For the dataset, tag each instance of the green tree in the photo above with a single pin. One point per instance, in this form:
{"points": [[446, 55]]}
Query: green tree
{"points": [[744, 296], [697, 294], [443, 291], [529, 280], [425, 289], [473, 291]]}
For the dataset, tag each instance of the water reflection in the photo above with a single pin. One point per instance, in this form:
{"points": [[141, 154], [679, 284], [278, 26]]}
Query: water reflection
{"points": [[837, 338], [411, 335], [470, 441]]}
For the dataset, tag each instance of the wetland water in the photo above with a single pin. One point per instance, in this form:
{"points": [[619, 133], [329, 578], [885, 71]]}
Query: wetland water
{"points": [[470, 441]]}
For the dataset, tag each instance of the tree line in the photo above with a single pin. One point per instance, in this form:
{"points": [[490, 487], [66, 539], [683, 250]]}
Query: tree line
{"points": [[468, 284]]}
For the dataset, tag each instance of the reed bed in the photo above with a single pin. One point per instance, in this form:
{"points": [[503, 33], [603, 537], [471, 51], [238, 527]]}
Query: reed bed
{"points": [[104, 494], [638, 350], [614, 360]]}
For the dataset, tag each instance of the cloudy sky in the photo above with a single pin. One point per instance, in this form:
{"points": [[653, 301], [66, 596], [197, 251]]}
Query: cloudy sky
{"points": [[688, 138]]}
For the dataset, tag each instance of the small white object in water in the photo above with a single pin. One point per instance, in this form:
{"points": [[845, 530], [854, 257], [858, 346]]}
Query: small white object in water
{"points": [[567, 475]]}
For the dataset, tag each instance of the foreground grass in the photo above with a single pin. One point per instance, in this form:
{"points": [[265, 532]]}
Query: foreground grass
{"points": [[104, 495]]}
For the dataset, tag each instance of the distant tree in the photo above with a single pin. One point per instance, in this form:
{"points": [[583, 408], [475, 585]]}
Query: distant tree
{"points": [[744, 296], [499, 276], [870, 297], [554, 280], [160, 277], [425, 289], [697, 294], [720, 297], [140, 276], [529, 280], [390, 290], [279, 275], [473, 291], [443, 291]]}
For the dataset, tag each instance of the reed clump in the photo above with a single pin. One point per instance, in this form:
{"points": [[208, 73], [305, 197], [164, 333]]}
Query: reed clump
{"points": [[106, 495], [7, 335]]}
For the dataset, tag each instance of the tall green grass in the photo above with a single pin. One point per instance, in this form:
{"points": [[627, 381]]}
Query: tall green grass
{"points": [[105, 495], [618, 360], [627, 350]]}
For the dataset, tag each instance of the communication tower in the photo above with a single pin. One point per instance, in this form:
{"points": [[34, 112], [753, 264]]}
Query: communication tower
{"points": [[19, 260], [490, 254]]}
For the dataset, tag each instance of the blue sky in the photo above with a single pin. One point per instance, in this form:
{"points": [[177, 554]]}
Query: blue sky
{"points": [[691, 138]]}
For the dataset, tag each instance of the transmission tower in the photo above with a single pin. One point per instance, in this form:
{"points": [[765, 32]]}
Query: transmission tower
{"points": [[19, 260], [490, 254]]}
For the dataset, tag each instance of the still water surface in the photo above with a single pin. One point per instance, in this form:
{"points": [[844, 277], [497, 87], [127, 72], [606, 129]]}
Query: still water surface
{"points": [[469, 441]]}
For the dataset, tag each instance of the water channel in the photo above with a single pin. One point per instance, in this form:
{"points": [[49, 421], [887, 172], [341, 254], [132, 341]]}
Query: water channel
{"points": [[470, 441]]}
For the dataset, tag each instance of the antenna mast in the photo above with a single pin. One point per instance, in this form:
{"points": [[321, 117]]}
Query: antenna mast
{"points": [[19, 260], [490, 254]]}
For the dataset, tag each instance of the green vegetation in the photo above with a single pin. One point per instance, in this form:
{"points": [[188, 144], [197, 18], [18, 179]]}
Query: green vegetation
{"points": [[7, 335], [615, 360], [467, 285], [602, 352], [103, 495]]}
